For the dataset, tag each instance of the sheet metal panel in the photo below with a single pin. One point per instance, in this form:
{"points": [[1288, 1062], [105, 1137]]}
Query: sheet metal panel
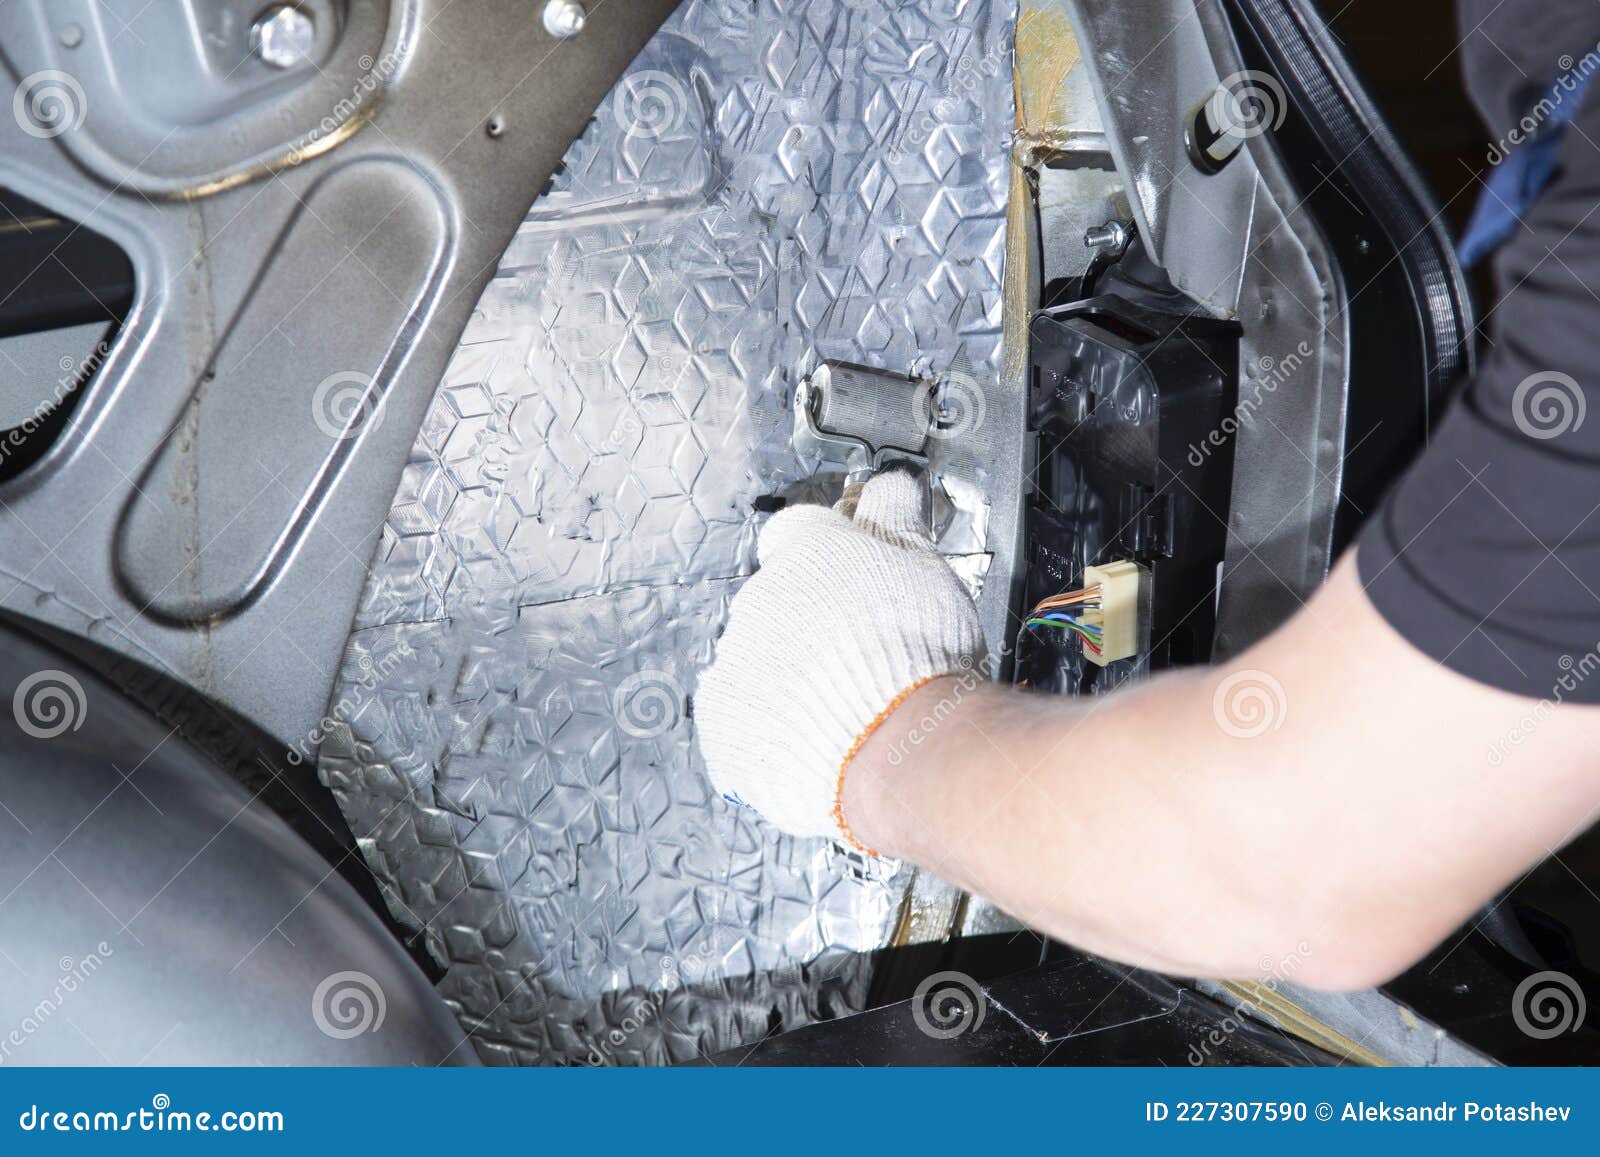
{"points": [[512, 733]]}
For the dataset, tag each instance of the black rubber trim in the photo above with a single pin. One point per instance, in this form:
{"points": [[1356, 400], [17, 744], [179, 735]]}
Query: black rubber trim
{"points": [[1311, 64], [1408, 308]]}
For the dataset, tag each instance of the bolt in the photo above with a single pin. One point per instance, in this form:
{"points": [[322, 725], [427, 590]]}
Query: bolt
{"points": [[564, 19], [283, 36], [1219, 128], [1112, 237]]}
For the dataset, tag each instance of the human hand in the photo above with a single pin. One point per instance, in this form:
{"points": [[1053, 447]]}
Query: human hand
{"points": [[845, 618]]}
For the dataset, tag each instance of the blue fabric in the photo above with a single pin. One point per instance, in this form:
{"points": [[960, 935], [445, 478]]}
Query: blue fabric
{"points": [[1523, 172]]}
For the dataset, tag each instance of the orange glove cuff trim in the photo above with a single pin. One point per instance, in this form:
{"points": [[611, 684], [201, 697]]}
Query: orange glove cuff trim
{"points": [[861, 741]]}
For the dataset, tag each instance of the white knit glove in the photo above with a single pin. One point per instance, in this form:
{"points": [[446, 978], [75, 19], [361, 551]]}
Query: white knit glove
{"points": [[843, 620]]}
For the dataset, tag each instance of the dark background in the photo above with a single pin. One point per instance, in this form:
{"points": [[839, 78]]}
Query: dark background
{"points": [[1407, 50]]}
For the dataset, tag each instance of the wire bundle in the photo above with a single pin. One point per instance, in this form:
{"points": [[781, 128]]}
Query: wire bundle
{"points": [[1059, 612]]}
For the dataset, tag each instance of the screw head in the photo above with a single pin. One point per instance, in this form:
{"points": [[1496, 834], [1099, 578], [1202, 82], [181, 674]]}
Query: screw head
{"points": [[1112, 237], [283, 36], [564, 19]]}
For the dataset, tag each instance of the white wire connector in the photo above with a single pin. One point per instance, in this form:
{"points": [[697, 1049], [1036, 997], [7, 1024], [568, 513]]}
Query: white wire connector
{"points": [[1123, 615]]}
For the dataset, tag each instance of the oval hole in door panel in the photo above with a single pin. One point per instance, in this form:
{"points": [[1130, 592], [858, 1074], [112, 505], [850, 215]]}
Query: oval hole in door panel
{"points": [[236, 483]]}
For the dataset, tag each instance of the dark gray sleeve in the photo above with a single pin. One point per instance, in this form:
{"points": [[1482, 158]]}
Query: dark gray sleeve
{"points": [[1486, 555]]}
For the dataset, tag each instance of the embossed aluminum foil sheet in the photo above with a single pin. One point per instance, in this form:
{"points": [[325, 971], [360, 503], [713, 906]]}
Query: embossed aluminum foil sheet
{"points": [[770, 185]]}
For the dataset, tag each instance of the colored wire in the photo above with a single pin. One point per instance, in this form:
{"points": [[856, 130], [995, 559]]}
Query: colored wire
{"points": [[1061, 616], [1088, 595], [1052, 613], [1089, 635], [1058, 617], [1091, 640], [1064, 601]]}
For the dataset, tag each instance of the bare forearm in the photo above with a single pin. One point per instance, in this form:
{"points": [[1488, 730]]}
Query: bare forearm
{"points": [[1088, 821], [1359, 826]]}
